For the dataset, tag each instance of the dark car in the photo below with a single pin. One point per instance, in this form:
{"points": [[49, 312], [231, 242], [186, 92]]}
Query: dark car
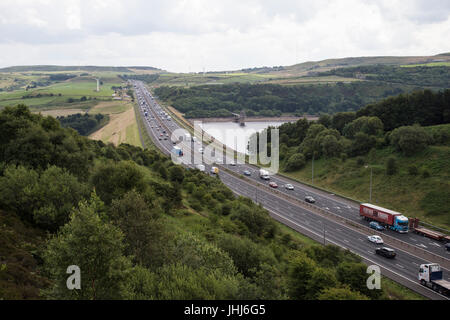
{"points": [[386, 252], [310, 199], [375, 225], [247, 173], [447, 246]]}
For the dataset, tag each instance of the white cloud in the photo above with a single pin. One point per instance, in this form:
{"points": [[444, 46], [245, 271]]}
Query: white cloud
{"points": [[181, 35]]}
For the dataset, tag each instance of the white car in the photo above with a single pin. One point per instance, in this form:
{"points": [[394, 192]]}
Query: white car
{"points": [[375, 239], [289, 186], [201, 150]]}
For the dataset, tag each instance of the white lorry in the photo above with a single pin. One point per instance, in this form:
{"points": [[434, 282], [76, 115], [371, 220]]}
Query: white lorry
{"points": [[430, 275], [264, 174]]}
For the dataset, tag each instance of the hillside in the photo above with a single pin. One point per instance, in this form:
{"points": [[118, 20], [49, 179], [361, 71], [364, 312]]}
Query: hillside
{"points": [[145, 228], [404, 141]]}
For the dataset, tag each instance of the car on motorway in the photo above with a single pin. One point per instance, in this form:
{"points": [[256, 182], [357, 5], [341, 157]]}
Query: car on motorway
{"points": [[447, 246], [310, 199], [273, 184], [233, 164], [375, 239], [386, 252], [289, 186], [375, 225], [165, 138], [247, 173], [201, 150], [160, 134]]}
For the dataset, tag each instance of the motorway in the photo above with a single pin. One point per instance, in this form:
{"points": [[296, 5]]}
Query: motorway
{"points": [[403, 268]]}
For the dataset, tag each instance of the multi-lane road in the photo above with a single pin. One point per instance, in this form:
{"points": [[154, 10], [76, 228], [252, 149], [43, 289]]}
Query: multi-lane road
{"points": [[404, 268]]}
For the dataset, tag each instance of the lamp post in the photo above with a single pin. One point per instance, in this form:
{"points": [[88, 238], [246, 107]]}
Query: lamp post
{"points": [[312, 169]]}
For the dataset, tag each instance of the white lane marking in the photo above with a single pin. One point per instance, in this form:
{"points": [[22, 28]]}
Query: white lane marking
{"points": [[434, 244], [360, 239], [416, 264], [338, 230], [413, 239], [400, 266], [370, 252], [339, 208], [421, 245], [345, 240]]}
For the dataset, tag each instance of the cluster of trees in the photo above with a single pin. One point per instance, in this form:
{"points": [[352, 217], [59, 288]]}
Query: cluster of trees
{"points": [[123, 215], [84, 124], [351, 134], [425, 107], [420, 76], [61, 77], [149, 78], [272, 99]]}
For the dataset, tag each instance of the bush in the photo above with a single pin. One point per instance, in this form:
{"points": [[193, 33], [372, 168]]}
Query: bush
{"points": [[391, 166], [409, 140], [295, 162]]}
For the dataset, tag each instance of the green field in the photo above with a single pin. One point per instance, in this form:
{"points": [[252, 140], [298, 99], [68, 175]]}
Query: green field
{"points": [[431, 64], [57, 95]]}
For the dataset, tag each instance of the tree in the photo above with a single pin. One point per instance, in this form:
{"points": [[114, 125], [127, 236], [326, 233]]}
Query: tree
{"points": [[112, 181], [96, 247], [299, 273], [362, 144], [145, 235], [295, 162], [355, 275], [176, 174], [409, 140]]}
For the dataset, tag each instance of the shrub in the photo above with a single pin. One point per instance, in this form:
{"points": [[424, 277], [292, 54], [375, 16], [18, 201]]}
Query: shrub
{"points": [[391, 166]]}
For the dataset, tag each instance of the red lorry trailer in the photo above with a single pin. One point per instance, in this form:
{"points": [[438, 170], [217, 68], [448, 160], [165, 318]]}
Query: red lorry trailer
{"points": [[392, 219]]}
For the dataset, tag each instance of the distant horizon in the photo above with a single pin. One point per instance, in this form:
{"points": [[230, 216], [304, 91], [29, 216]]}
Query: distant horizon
{"points": [[229, 70]]}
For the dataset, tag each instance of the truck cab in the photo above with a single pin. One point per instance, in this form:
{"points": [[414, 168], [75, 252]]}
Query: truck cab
{"points": [[400, 224], [430, 275]]}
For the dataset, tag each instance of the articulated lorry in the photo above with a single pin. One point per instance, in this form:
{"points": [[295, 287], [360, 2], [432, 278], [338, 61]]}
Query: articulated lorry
{"points": [[432, 234], [430, 275], [388, 218]]}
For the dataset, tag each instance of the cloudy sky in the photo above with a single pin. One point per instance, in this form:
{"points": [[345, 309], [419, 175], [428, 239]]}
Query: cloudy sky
{"points": [[213, 35]]}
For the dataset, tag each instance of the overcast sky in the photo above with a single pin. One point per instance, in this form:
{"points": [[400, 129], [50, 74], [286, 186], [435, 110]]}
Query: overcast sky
{"points": [[210, 35]]}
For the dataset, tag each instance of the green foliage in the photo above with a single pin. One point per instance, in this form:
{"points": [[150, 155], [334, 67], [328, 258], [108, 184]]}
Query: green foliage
{"points": [[344, 293], [419, 75], [144, 233], [409, 140], [295, 162], [180, 282], [84, 124], [274, 99], [391, 166], [44, 199], [113, 180], [426, 108], [355, 275], [96, 247]]}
